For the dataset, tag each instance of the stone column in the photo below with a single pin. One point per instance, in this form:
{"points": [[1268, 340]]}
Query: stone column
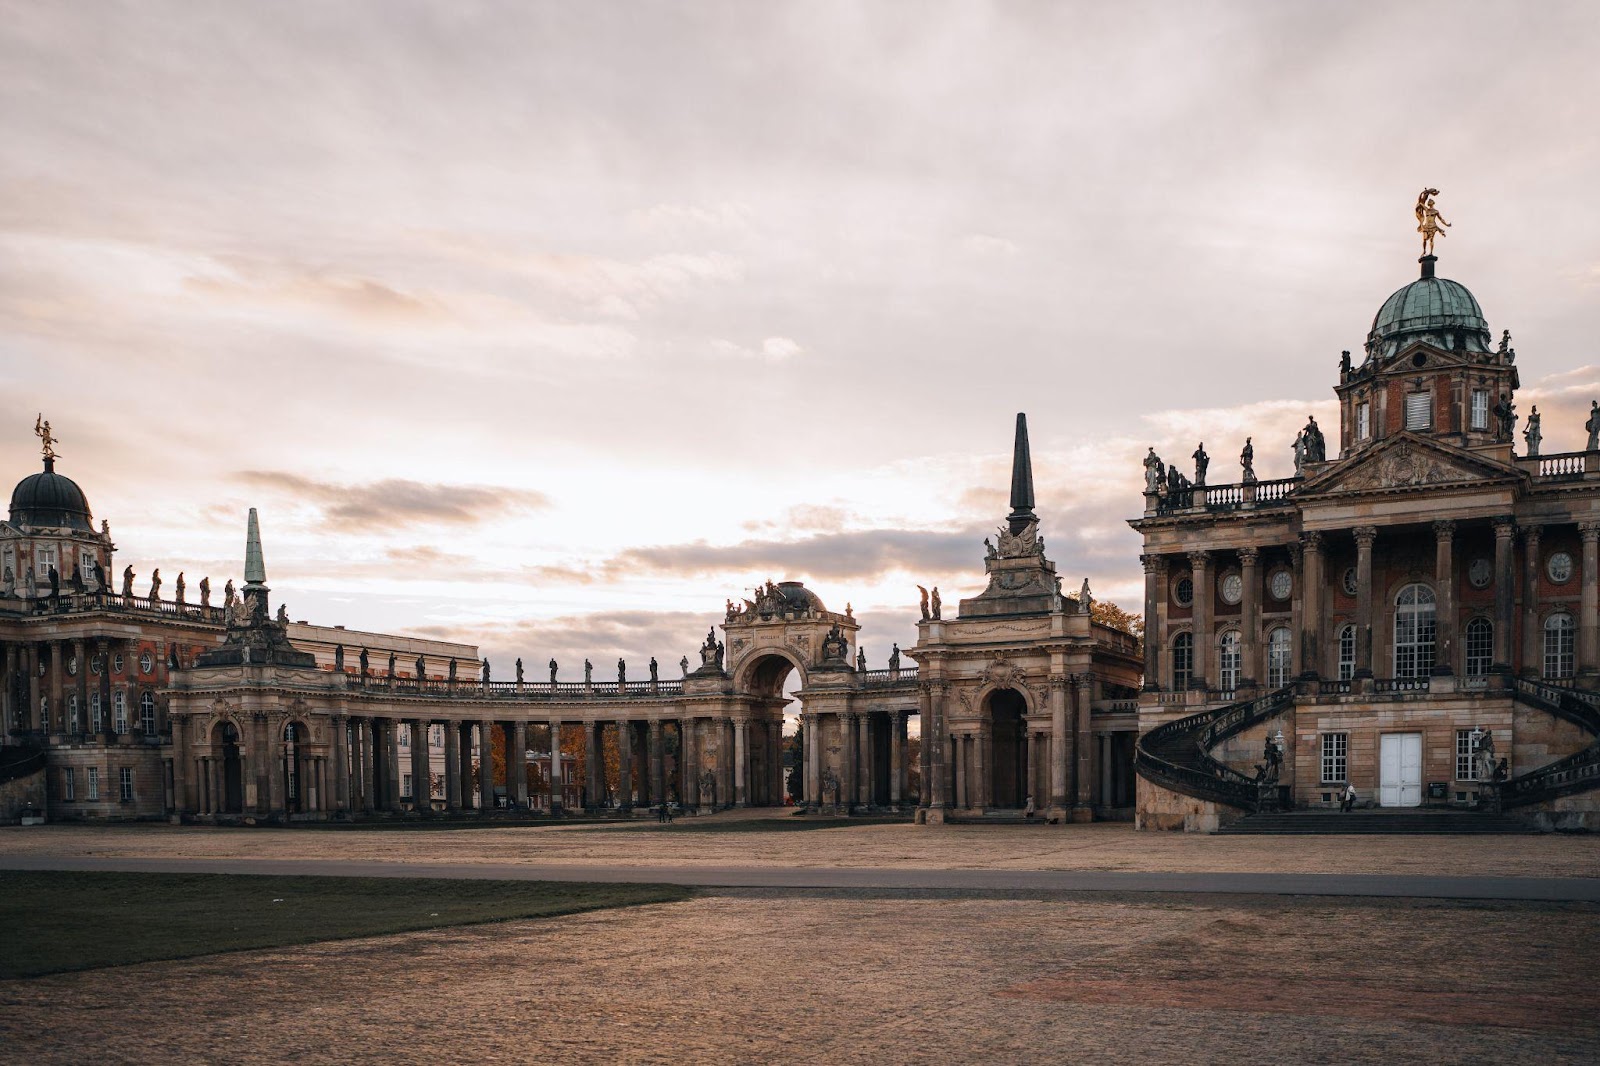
{"points": [[810, 744], [1155, 575], [864, 759], [741, 762], [897, 756], [982, 782], [31, 719], [1080, 740], [1105, 770], [464, 764], [1364, 536], [775, 781], [452, 766], [182, 762], [1204, 639], [485, 765], [1532, 657], [1060, 746], [1504, 592], [1588, 645], [658, 766], [625, 764], [849, 784], [103, 650], [1252, 671], [341, 762], [690, 757], [365, 728], [557, 788], [1444, 578], [58, 675], [421, 769], [934, 739], [958, 746]]}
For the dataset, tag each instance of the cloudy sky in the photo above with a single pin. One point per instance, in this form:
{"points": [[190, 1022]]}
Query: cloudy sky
{"points": [[551, 326]]}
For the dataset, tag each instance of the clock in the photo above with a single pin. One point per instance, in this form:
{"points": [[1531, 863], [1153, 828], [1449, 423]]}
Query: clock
{"points": [[1232, 588], [1281, 584], [1559, 567], [1480, 573]]}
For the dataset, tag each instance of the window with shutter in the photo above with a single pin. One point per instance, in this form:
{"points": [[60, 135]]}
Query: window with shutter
{"points": [[1419, 410]]}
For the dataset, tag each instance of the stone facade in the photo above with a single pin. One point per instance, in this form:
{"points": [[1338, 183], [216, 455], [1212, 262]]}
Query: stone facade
{"points": [[1427, 582]]}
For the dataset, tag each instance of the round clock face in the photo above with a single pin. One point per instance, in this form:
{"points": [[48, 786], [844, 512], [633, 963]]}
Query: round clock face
{"points": [[1559, 567], [1183, 592], [1480, 573], [1232, 588], [1349, 582], [145, 663], [1282, 584]]}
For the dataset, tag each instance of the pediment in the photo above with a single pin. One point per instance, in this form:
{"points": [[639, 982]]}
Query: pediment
{"points": [[1407, 461]]}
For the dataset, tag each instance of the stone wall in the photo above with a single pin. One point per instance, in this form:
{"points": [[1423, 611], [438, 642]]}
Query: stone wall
{"points": [[1160, 808], [16, 795]]}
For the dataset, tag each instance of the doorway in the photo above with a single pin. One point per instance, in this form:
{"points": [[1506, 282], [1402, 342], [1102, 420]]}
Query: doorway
{"points": [[1400, 770]]}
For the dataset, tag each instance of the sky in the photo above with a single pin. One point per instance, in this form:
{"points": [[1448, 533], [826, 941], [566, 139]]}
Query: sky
{"points": [[549, 327]]}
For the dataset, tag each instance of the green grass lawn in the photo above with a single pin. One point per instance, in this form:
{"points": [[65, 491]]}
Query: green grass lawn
{"points": [[52, 922]]}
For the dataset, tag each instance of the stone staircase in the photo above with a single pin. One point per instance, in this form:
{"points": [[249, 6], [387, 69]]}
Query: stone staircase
{"points": [[1391, 821]]}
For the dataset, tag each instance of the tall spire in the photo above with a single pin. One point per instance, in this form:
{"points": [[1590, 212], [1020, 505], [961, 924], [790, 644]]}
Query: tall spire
{"points": [[255, 568], [1021, 479]]}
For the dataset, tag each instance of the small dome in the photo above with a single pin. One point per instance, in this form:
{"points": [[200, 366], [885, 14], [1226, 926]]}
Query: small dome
{"points": [[52, 500], [1437, 310], [798, 597]]}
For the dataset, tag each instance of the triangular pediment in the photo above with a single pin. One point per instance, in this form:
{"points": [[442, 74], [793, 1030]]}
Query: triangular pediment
{"points": [[1407, 461]]}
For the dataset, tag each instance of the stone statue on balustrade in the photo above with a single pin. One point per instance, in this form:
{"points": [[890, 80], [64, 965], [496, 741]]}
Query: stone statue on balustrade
{"points": [[861, 659], [55, 583], [924, 592], [393, 661], [422, 669], [934, 601], [1247, 461], [622, 672], [1202, 462], [519, 671], [988, 549], [719, 660], [894, 658], [1532, 434], [366, 663], [338, 658], [155, 585], [553, 668], [228, 593], [588, 672], [450, 672], [30, 585], [1593, 426], [1155, 472], [283, 614], [1344, 365], [77, 580], [205, 592], [683, 664], [178, 590], [100, 577], [1506, 412], [1085, 600], [127, 581], [10, 582], [485, 671]]}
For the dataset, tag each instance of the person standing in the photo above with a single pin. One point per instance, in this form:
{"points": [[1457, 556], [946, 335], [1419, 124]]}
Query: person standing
{"points": [[1347, 801]]}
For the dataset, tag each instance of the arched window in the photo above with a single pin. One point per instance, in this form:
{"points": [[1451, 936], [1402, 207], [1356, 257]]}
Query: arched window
{"points": [[1480, 646], [147, 714], [1558, 645], [1414, 631], [1278, 657], [1347, 652], [1182, 661], [1228, 661]]}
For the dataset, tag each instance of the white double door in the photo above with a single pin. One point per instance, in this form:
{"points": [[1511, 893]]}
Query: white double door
{"points": [[1400, 770]]}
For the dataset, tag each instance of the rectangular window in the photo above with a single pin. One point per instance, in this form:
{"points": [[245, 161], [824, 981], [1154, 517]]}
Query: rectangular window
{"points": [[69, 785], [1480, 646], [73, 725], [436, 736], [405, 786], [126, 783], [119, 712], [94, 782], [1419, 410], [1363, 420], [44, 558], [1466, 765], [147, 715], [96, 722], [1480, 409], [86, 565], [1335, 757], [1182, 662]]}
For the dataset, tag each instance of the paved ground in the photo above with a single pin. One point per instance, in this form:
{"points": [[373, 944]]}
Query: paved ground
{"points": [[1103, 847], [808, 978]]}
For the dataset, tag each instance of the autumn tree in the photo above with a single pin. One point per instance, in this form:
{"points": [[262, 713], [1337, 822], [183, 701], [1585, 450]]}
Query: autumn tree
{"points": [[1108, 613]]}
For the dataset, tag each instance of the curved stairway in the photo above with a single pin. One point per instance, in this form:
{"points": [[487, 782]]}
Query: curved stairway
{"points": [[19, 761], [1177, 755]]}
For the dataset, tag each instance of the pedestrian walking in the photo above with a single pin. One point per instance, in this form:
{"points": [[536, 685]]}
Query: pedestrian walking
{"points": [[1347, 800]]}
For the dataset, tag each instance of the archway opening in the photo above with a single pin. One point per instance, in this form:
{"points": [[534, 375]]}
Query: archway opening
{"points": [[226, 739], [1009, 730], [772, 681]]}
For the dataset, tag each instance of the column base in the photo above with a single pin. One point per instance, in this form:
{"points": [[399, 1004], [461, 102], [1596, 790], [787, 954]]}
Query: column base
{"points": [[1083, 814], [930, 816], [1057, 814]]}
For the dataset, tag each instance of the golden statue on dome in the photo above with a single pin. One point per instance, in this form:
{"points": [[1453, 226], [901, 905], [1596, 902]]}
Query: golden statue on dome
{"points": [[1429, 220], [41, 429]]}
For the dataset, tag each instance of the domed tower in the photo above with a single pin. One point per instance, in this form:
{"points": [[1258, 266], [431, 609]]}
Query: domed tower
{"points": [[51, 528], [1431, 367]]}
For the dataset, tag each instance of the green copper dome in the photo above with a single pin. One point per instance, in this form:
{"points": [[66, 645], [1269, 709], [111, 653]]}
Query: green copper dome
{"points": [[1437, 310]]}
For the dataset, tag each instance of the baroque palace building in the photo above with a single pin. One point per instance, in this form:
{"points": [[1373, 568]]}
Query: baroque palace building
{"points": [[1414, 616]]}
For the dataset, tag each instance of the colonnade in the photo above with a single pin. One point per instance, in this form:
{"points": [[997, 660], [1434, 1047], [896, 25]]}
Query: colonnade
{"points": [[871, 768]]}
